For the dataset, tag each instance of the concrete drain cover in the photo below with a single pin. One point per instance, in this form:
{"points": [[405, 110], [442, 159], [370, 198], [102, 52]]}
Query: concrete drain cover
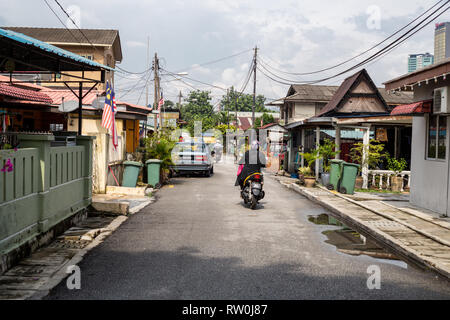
{"points": [[69, 244], [386, 224]]}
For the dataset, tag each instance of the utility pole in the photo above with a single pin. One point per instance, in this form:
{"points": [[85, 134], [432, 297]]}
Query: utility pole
{"points": [[148, 66], [157, 88], [228, 107], [179, 100], [146, 85], [254, 85]]}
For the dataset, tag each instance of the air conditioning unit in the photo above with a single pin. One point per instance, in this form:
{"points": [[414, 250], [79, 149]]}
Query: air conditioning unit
{"points": [[441, 101]]}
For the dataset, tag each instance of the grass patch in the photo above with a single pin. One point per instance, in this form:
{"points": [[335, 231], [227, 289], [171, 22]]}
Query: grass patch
{"points": [[378, 191]]}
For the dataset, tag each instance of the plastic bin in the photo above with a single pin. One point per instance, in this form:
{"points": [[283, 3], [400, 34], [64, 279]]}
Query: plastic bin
{"points": [[335, 174], [153, 169], [348, 179], [131, 173]]}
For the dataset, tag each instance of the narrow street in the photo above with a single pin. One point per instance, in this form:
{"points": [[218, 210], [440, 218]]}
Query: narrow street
{"points": [[198, 241]]}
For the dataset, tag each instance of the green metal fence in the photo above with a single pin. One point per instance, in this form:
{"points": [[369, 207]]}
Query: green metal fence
{"points": [[47, 185]]}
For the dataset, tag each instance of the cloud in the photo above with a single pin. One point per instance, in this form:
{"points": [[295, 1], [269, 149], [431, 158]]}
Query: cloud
{"points": [[294, 36], [135, 44]]}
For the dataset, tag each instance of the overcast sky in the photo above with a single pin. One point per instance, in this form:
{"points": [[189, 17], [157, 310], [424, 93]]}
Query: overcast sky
{"points": [[295, 36]]}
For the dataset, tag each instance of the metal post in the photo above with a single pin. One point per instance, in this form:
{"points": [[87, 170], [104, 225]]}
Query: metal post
{"points": [[80, 108]]}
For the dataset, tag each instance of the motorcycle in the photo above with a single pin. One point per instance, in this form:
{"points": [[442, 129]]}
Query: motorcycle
{"points": [[253, 191]]}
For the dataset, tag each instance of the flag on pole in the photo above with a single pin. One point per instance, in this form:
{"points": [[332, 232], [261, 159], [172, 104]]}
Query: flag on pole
{"points": [[109, 111], [160, 104]]}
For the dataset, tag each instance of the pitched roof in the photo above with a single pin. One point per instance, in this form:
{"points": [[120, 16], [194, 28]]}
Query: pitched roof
{"points": [[322, 93], [21, 39], [57, 96], [11, 91], [244, 123], [74, 36], [307, 92], [23, 92], [345, 87]]}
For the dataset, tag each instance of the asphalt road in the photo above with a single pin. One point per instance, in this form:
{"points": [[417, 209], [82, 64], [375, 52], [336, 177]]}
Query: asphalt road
{"points": [[198, 241]]}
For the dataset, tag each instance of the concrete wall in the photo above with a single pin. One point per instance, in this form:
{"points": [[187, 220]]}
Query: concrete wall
{"points": [[102, 154], [47, 185], [429, 179]]}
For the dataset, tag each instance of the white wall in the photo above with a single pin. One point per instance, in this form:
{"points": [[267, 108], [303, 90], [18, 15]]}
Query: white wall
{"points": [[429, 178]]}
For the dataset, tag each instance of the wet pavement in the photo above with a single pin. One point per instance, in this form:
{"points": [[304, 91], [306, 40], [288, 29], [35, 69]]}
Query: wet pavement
{"points": [[199, 241]]}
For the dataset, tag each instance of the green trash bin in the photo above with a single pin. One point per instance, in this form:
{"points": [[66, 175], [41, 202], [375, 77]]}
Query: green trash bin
{"points": [[335, 174], [348, 179], [153, 168], [131, 173]]}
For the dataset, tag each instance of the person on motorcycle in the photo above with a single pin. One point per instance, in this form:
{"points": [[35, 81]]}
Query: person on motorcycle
{"points": [[252, 161]]}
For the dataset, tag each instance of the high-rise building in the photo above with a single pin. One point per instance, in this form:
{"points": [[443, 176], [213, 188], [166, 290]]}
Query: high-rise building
{"points": [[418, 61], [441, 41]]}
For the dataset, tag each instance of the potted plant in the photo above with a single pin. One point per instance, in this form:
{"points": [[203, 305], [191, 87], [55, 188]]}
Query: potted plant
{"points": [[327, 151], [375, 155], [397, 166], [308, 174]]}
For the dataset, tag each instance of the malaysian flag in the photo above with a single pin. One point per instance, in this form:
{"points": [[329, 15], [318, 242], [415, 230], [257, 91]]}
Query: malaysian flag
{"points": [[109, 111]]}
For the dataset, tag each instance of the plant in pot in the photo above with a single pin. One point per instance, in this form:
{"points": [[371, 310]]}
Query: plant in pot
{"points": [[375, 155], [160, 147], [327, 151], [397, 166], [308, 174]]}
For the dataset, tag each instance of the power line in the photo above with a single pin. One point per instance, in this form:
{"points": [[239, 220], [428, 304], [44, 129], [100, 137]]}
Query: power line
{"points": [[57, 16], [360, 54], [379, 53], [207, 84], [214, 61]]}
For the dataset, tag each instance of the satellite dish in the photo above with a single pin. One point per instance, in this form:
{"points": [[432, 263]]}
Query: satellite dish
{"points": [[68, 106], [98, 102]]}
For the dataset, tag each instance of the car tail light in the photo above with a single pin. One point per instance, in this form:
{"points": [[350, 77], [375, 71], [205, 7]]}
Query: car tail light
{"points": [[200, 158]]}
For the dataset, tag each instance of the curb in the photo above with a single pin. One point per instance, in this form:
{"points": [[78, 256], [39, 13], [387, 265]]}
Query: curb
{"points": [[382, 237], [388, 216]]}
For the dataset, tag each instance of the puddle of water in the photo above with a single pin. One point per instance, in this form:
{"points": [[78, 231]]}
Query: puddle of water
{"points": [[350, 242]]}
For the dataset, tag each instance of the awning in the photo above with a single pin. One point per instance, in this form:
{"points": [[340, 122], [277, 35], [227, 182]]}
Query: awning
{"points": [[416, 108]]}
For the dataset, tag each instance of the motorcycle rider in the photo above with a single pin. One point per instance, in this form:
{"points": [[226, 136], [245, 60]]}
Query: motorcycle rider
{"points": [[252, 161]]}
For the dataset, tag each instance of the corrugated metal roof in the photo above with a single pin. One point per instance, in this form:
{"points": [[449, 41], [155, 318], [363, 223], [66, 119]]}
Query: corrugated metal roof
{"points": [[57, 94], [74, 36], [19, 37], [96, 36]]}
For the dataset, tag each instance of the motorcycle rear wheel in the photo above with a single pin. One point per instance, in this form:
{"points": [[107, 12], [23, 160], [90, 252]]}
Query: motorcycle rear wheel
{"points": [[253, 203]]}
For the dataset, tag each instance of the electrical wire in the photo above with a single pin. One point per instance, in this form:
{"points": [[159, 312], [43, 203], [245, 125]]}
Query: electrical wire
{"points": [[379, 53], [57, 16], [362, 53], [214, 61]]}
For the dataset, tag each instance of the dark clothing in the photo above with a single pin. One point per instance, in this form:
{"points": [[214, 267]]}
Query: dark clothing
{"points": [[253, 161]]}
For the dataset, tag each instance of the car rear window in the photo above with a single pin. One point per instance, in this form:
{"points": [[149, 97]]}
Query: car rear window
{"points": [[191, 147]]}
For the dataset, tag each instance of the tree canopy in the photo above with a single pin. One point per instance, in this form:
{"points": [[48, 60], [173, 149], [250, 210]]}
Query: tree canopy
{"points": [[244, 102]]}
